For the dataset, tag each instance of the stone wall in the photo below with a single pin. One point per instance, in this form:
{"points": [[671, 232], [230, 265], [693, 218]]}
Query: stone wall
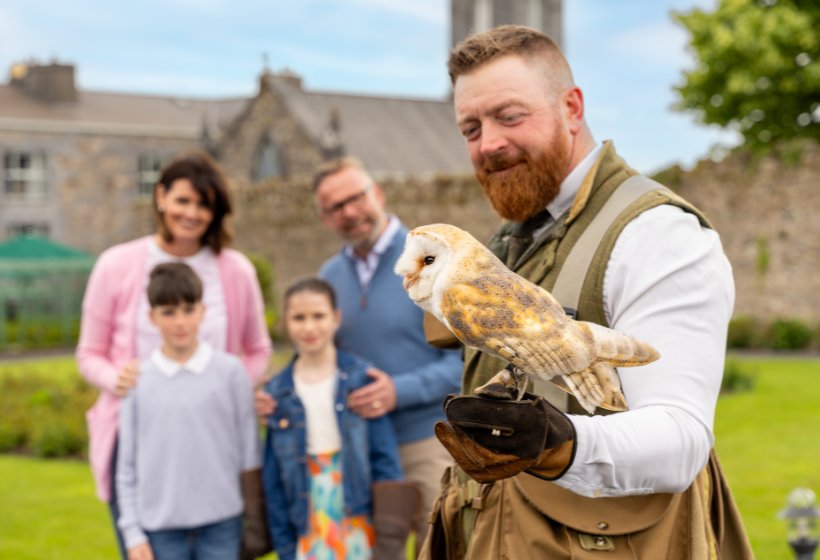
{"points": [[763, 210], [766, 213], [278, 221]]}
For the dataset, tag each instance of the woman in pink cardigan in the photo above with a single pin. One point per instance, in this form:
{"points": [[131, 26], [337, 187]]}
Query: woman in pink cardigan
{"points": [[191, 203]]}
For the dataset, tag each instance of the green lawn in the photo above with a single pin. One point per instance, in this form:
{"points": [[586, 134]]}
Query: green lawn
{"points": [[768, 441]]}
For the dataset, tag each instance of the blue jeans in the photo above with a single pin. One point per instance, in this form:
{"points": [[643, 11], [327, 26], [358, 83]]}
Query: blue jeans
{"points": [[217, 541]]}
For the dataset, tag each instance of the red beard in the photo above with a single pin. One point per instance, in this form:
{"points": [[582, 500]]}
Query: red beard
{"points": [[527, 188]]}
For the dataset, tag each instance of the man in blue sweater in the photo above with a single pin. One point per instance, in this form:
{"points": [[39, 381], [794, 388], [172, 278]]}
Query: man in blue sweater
{"points": [[381, 324]]}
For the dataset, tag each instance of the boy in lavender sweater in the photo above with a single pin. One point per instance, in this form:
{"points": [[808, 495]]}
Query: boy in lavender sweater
{"points": [[188, 436]]}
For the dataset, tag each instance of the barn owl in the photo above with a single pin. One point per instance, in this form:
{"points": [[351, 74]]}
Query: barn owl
{"points": [[448, 273]]}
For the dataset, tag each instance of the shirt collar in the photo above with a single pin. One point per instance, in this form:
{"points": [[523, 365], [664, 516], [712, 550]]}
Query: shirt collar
{"points": [[196, 363], [572, 183], [382, 243]]}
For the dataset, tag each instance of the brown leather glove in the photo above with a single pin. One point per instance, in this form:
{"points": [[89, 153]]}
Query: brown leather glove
{"points": [[498, 437], [256, 539]]}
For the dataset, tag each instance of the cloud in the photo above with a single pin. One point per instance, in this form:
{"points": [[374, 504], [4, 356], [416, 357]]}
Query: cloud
{"points": [[657, 43]]}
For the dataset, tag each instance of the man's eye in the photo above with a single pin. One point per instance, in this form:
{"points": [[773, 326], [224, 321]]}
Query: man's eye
{"points": [[470, 132], [428, 260]]}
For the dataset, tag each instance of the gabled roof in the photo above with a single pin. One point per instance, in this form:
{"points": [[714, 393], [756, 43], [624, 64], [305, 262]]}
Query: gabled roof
{"points": [[117, 113], [391, 135]]}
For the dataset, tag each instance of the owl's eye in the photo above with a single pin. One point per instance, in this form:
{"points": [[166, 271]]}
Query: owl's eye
{"points": [[428, 260]]}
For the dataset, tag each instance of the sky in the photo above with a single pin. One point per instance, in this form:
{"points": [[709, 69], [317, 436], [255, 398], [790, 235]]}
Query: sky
{"points": [[626, 55]]}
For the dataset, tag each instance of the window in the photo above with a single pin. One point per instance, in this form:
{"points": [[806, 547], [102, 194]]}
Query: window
{"points": [[268, 162], [41, 229], [25, 175], [149, 168]]}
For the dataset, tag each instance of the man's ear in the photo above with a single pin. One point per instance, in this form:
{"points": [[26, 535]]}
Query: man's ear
{"points": [[572, 102], [151, 312]]}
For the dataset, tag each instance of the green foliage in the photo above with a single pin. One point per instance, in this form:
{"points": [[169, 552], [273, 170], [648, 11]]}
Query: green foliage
{"points": [[747, 333], [763, 256], [264, 273], [743, 332], [788, 334], [40, 333], [736, 377], [758, 68], [43, 414]]}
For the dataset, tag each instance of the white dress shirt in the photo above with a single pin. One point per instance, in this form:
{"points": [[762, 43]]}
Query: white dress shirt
{"points": [[669, 284]]}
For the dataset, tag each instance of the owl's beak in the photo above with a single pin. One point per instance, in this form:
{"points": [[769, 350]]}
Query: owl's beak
{"points": [[409, 281]]}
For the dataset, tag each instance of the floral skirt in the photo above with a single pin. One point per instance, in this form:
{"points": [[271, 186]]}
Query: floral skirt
{"points": [[331, 535]]}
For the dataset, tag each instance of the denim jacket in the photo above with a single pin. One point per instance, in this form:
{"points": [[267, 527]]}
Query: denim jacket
{"points": [[369, 453]]}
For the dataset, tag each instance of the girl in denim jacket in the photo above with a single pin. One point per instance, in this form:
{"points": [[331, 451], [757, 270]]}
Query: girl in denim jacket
{"points": [[320, 459]]}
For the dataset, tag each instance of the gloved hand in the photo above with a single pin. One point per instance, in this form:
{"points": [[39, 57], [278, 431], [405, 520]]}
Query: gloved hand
{"points": [[494, 437], [256, 539]]}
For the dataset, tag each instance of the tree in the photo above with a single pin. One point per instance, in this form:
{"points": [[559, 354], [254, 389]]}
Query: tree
{"points": [[758, 68]]}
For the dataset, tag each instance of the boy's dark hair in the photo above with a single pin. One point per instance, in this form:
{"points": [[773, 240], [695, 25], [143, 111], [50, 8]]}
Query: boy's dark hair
{"points": [[312, 284], [173, 283]]}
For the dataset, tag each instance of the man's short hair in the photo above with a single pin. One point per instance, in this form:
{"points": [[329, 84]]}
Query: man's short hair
{"points": [[333, 166], [481, 48], [173, 283]]}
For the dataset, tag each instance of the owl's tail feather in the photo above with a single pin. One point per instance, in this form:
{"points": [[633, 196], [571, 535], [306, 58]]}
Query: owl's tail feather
{"points": [[597, 386], [618, 349]]}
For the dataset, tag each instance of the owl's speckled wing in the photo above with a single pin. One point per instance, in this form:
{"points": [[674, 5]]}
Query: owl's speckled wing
{"points": [[509, 317]]}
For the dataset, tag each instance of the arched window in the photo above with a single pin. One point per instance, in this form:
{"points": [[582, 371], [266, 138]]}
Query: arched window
{"points": [[268, 162]]}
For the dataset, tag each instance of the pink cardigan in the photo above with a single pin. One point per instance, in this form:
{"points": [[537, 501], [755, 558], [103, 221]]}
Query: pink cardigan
{"points": [[108, 335]]}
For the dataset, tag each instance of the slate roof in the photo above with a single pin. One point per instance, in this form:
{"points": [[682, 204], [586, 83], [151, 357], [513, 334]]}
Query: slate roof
{"points": [[391, 135], [116, 113]]}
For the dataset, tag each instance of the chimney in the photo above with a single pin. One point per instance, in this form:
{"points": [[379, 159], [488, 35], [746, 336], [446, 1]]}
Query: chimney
{"points": [[52, 83]]}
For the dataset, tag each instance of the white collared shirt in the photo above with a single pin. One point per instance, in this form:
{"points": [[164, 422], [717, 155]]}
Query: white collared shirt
{"points": [[366, 267], [668, 283], [195, 364]]}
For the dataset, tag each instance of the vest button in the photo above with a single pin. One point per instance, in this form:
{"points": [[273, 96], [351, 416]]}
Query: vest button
{"points": [[603, 525], [283, 423]]}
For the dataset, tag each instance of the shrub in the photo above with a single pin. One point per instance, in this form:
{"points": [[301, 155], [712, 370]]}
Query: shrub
{"points": [[44, 416], [735, 378], [743, 332], [788, 334]]}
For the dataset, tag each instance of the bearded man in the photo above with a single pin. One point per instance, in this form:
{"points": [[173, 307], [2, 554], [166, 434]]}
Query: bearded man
{"points": [[644, 483]]}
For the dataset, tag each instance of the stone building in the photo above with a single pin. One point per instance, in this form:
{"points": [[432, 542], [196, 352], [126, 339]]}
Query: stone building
{"points": [[67, 153]]}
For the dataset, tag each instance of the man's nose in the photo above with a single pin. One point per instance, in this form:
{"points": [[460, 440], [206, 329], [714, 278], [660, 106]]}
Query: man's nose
{"points": [[492, 140]]}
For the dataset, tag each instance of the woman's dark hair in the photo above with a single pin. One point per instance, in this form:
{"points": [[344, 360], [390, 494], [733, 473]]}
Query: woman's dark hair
{"points": [[209, 181], [173, 283], [314, 285]]}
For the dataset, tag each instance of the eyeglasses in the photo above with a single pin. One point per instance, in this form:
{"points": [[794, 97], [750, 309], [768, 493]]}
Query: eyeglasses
{"points": [[336, 209]]}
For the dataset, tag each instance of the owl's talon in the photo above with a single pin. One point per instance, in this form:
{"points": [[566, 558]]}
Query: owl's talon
{"points": [[497, 391]]}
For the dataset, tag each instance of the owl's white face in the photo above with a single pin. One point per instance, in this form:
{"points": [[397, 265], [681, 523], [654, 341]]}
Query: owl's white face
{"points": [[422, 265]]}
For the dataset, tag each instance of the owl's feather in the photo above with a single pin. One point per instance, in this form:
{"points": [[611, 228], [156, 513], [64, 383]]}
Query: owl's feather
{"points": [[486, 306]]}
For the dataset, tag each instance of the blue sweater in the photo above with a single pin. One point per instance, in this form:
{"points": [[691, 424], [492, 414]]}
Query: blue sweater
{"points": [[385, 327]]}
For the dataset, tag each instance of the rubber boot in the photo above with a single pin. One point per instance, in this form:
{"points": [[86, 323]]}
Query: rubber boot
{"points": [[396, 505]]}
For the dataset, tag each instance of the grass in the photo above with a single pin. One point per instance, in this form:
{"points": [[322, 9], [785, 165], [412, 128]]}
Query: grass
{"points": [[767, 439]]}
